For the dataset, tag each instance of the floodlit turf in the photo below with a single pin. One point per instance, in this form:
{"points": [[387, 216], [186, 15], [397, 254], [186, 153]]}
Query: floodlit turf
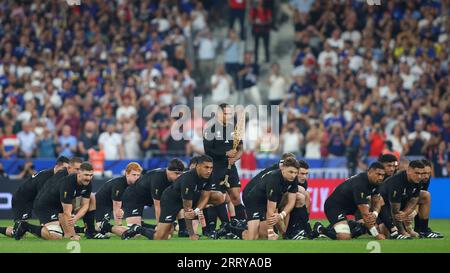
{"points": [[182, 245]]}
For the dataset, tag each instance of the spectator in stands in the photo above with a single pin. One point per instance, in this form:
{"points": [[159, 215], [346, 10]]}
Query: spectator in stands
{"points": [[9, 143], [46, 144], [221, 85], [336, 142], [291, 139], [206, 57], [417, 140], [248, 74], [232, 52], [313, 137], [131, 139], [376, 141], [67, 143], [126, 109], [88, 138], [237, 12], [111, 143], [151, 140], [27, 140], [261, 20], [277, 85]]}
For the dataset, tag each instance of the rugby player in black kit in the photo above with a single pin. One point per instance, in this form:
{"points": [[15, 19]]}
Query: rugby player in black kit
{"points": [[56, 203], [218, 144], [109, 199], [350, 196], [401, 196], [23, 198], [423, 208], [147, 191], [263, 199], [191, 190]]}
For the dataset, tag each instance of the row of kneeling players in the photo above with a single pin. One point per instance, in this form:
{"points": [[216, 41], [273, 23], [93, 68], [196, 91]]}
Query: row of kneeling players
{"points": [[386, 203]]}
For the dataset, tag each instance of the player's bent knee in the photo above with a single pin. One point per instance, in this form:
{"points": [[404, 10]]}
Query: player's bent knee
{"points": [[425, 197]]}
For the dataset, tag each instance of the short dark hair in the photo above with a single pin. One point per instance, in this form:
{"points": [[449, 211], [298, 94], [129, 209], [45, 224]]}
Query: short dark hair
{"points": [[176, 165], [86, 166], [303, 164], [416, 164], [204, 158], [291, 162], [426, 162], [74, 160], [387, 158], [61, 160], [286, 156], [376, 165], [194, 160]]}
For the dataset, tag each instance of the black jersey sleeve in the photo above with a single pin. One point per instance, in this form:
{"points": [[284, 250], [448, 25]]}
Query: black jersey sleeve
{"points": [[116, 192], [395, 194], [87, 192], [66, 191], [360, 195], [208, 144], [157, 188], [294, 187], [272, 190], [187, 189]]}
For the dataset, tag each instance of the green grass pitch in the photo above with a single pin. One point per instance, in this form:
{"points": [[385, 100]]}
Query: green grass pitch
{"points": [[31, 244]]}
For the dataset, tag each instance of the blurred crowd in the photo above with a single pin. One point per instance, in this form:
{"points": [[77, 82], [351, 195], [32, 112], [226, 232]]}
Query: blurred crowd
{"points": [[364, 80]]}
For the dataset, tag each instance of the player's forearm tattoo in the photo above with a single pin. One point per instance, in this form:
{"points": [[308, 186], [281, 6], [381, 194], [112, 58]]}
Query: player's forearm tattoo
{"points": [[411, 205], [376, 203], [190, 227], [395, 209]]}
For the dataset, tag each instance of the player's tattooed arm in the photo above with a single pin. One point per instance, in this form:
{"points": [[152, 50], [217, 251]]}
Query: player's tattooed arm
{"points": [[411, 205], [188, 216], [397, 216], [377, 203]]}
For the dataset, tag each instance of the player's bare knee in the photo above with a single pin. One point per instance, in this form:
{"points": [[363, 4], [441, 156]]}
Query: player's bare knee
{"points": [[425, 197]]}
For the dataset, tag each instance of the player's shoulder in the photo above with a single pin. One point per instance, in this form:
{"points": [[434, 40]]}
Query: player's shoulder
{"points": [[43, 174]]}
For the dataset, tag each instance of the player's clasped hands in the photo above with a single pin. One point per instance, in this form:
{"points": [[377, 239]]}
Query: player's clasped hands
{"points": [[189, 214], [274, 219], [401, 216]]}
